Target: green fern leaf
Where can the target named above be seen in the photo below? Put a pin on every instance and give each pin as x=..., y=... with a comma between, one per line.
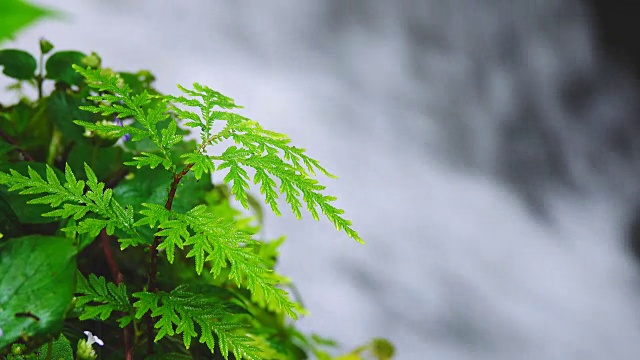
x=113, y=131
x=70, y=200
x=98, y=299
x=269, y=153
x=202, y=164
x=151, y=160
x=169, y=137
x=180, y=310
x=153, y=214
x=173, y=232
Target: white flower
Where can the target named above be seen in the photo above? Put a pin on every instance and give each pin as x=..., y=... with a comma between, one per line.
x=1, y=329
x=91, y=339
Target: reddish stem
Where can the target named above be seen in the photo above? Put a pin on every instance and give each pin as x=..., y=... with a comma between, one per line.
x=108, y=254
x=118, y=278
x=153, y=267
x=13, y=142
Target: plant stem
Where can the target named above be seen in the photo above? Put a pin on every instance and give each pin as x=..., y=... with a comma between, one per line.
x=108, y=254
x=118, y=278
x=39, y=77
x=13, y=142
x=153, y=262
x=56, y=139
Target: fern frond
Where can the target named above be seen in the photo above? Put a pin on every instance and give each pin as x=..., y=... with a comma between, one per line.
x=219, y=243
x=252, y=136
x=184, y=312
x=202, y=164
x=113, y=131
x=294, y=183
x=205, y=99
x=98, y=299
x=71, y=200
x=148, y=110
x=269, y=153
x=151, y=160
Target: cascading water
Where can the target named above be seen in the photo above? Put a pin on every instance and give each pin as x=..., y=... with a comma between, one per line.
x=447, y=121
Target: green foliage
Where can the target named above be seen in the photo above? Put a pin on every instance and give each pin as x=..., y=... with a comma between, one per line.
x=103, y=156
x=267, y=152
x=17, y=14
x=179, y=312
x=379, y=349
x=219, y=242
x=18, y=64
x=58, y=67
x=26, y=212
x=36, y=287
x=103, y=299
x=71, y=200
x=57, y=349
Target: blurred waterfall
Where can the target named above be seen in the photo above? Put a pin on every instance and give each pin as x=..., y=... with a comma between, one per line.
x=448, y=122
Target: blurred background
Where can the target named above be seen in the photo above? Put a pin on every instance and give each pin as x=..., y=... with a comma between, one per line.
x=488, y=151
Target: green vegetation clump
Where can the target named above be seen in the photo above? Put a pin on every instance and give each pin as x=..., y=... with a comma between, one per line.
x=113, y=230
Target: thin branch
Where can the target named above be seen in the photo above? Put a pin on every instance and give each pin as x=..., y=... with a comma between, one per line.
x=108, y=254
x=13, y=142
x=153, y=267
x=40, y=76
x=118, y=278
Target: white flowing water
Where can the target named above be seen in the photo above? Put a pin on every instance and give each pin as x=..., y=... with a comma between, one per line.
x=446, y=120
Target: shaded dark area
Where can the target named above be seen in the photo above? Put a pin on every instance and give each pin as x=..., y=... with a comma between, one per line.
x=617, y=27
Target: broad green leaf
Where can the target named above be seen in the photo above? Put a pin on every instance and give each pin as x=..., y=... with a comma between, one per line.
x=16, y=15
x=104, y=161
x=18, y=64
x=28, y=125
x=59, y=68
x=36, y=287
x=62, y=109
x=27, y=213
x=139, y=81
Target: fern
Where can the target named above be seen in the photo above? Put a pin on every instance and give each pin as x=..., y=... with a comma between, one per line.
x=104, y=298
x=224, y=246
x=147, y=109
x=218, y=242
x=267, y=152
x=73, y=200
x=180, y=310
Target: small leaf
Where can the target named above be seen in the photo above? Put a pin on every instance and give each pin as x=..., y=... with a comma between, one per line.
x=91, y=176
x=202, y=164
x=45, y=46
x=18, y=64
